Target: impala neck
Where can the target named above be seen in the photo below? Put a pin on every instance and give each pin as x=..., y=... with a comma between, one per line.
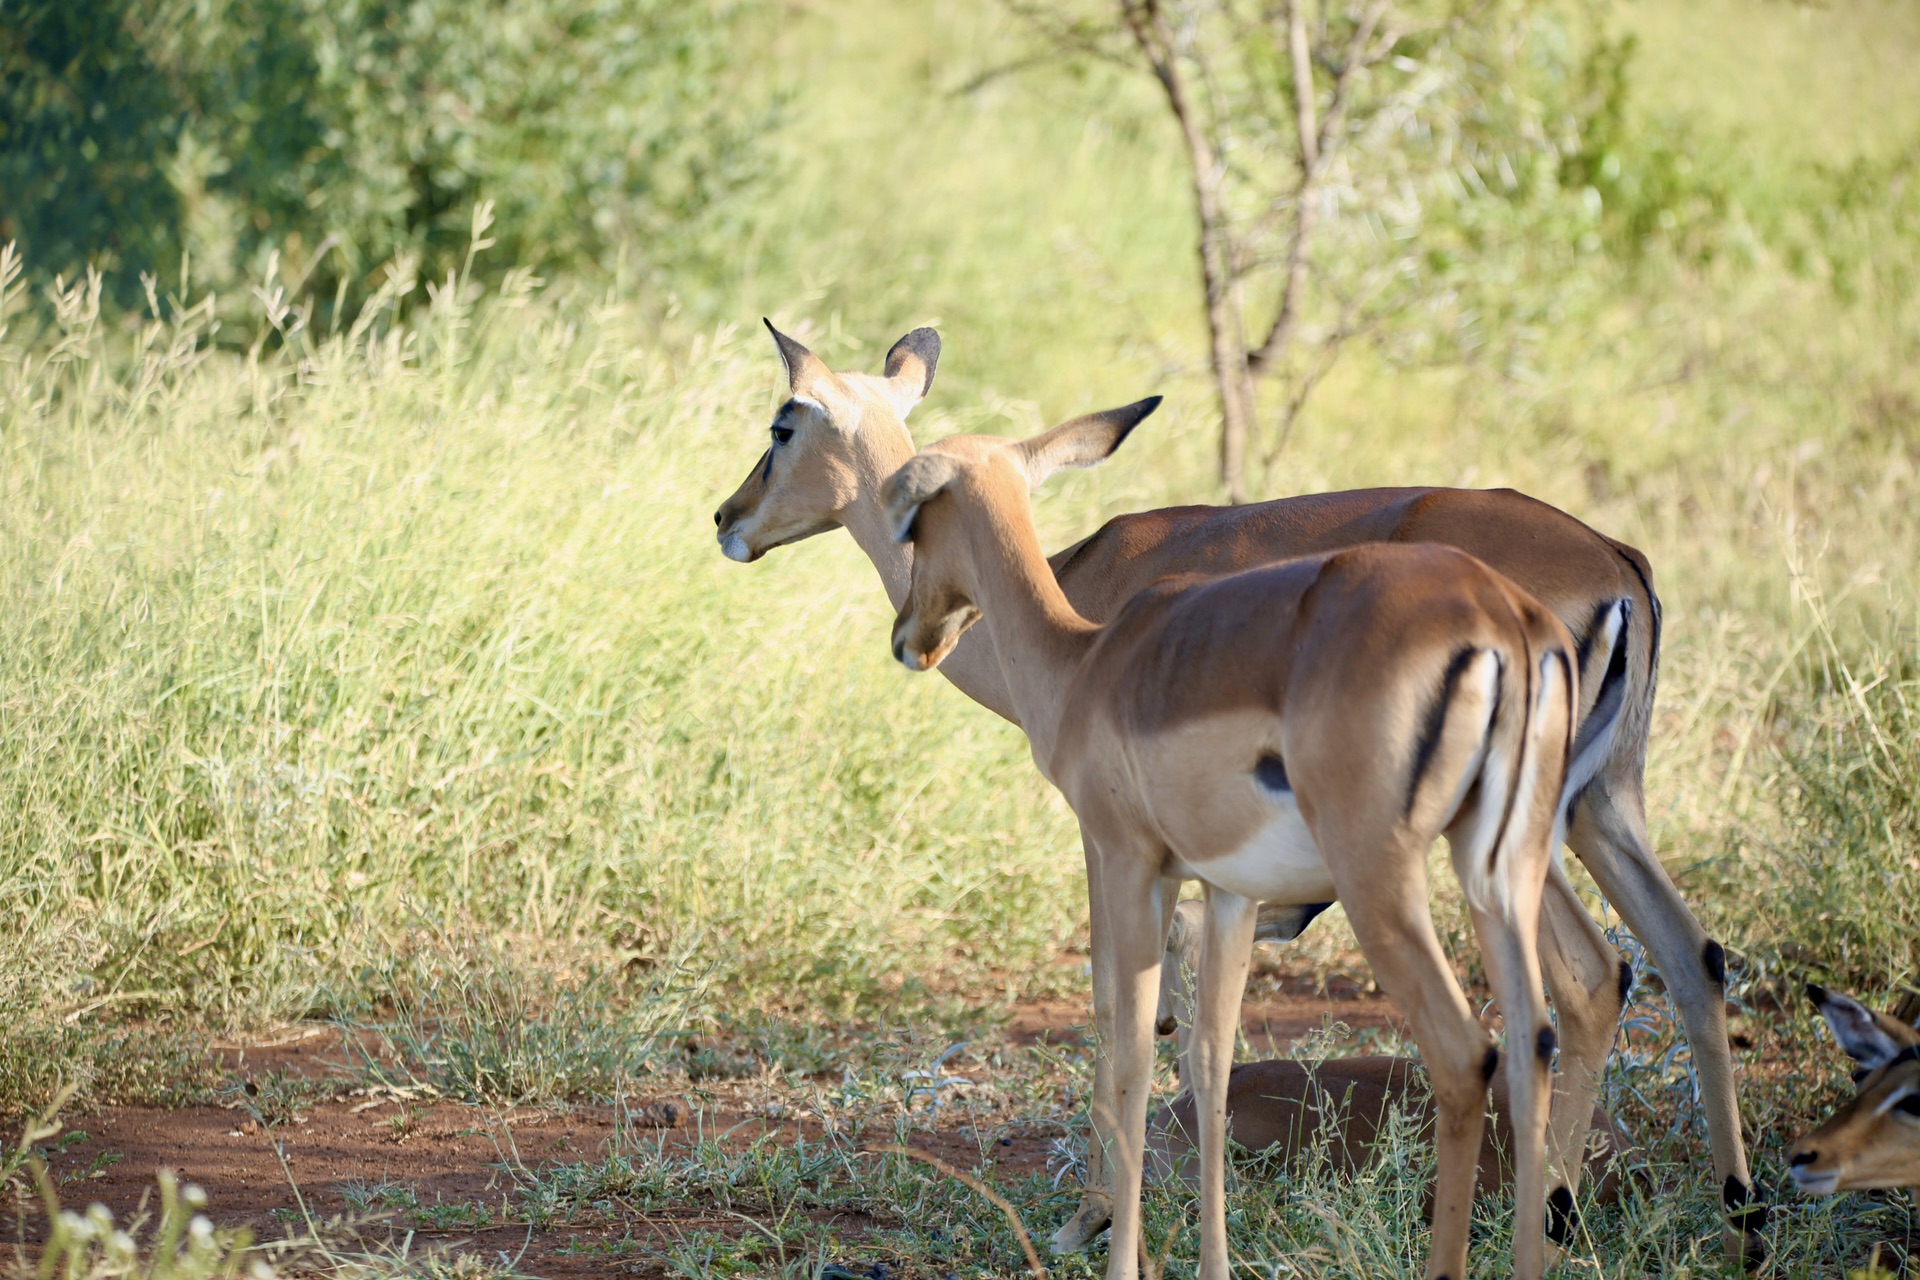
x=1036, y=633
x=972, y=667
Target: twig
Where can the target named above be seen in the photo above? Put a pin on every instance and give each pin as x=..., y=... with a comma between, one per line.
x=994, y=1197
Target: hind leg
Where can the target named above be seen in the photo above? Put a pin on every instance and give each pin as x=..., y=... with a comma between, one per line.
x=1506, y=929
x=1584, y=976
x=1386, y=902
x=1609, y=834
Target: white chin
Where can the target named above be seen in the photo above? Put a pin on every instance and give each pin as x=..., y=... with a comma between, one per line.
x=1817, y=1184
x=734, y=547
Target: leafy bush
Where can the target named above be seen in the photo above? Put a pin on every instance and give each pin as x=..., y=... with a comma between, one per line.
x=133, y=130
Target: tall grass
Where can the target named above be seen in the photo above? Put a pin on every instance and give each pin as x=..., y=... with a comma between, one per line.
x=316, y=646
x=422, y=618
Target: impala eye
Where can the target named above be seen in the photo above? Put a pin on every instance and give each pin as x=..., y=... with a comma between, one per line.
x=782, y=434
x=1909, y=1105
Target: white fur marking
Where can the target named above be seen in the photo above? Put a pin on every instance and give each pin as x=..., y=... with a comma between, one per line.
x=734, y=547
x=1581, y=770
x=1479, y=683
x=1280, y=863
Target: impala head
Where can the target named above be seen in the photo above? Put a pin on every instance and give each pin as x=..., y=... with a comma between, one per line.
x=924, y=505
x=831, y=424
x=1874, y=1140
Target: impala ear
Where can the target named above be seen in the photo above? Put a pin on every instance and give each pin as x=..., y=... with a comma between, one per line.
x=924, y=475
x=1864, y=1036
x=910, y=366
x=803, y=367
x=1083, y=441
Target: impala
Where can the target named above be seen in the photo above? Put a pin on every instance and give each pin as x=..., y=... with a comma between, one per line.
x=1289, y=1109
x=1872, y=1142
x=1290, y=734
x=839, y=435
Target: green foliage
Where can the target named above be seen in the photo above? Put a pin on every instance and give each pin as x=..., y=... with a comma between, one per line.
x=1846, y=875
x=343, y=134
x=478, y=1024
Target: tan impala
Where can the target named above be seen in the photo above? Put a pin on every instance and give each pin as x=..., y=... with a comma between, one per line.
x=1873, y=1142
x=1289, y=734
x=840, y=434
x=1288, y=1109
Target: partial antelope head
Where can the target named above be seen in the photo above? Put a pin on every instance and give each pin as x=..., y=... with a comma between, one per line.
x=1873, y=1141
x=829, y=432
x=999, y=473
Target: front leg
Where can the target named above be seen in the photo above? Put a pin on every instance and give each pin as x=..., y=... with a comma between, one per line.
x=1095, y=1211
x=1125, y=892
x=1226, y=946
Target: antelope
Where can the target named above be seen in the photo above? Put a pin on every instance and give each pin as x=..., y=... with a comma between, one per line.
x=1288, y=1109
x=837, y=436
x=1296, y=733
x=1872, y=1142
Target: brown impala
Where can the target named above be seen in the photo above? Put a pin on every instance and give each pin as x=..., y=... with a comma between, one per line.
x=840, y=435
x=1872, y=1142
x=1292, y=733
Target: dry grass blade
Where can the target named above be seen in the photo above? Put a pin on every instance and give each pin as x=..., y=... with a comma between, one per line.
x=986, y=1192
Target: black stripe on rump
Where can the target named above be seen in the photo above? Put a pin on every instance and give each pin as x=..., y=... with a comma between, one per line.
x=1613, y=685
x=1653, y=602
x=1436, y=721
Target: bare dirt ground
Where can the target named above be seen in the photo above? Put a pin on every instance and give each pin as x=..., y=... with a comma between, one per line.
x=338, y=1157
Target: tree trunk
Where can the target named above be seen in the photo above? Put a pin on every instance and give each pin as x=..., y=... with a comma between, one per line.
x=1219, y=273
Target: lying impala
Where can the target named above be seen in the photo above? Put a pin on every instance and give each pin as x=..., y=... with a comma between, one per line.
x=839, y=435
x=1289, y=734
x=1872, y=1142
x=1289, y=1109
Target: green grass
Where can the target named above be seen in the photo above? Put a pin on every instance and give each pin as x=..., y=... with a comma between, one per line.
x=391, y=675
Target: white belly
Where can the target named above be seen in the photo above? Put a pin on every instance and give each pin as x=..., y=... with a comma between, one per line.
x=1279, y=864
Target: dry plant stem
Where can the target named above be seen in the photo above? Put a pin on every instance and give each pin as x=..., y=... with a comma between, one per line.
x=1226, y=325
x=998, y=1201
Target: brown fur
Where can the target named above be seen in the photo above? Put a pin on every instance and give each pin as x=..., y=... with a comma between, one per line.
x=857, y=438
x=1155, y=728
x=1870, y=1142
x=1287, y=1109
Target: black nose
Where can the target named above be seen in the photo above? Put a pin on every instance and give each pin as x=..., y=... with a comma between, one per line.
x=899, y=650
x=719, y=518
x=1799, y=1158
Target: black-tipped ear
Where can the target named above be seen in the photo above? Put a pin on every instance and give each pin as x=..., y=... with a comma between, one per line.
x=803, y=367
x=1083, y=441
x=910, y=366
x=1863, y=1035
x=923, y=475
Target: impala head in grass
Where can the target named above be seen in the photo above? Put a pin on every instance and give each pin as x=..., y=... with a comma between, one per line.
x=942, y=600
x=834, y=432
x=1872, y=1142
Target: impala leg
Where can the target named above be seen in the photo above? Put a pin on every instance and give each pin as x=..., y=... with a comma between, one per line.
x=1513, y=966
x=1585, y=978
x=1275, y=922
x=1095, y=1210
x=1609, y=833
x=1386, y=904
x=1226, y=947
x=1125, y=894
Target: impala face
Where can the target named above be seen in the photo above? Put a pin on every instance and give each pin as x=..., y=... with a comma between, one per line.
x=836, y=434
x=940, y=601
x=1873, y=1142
